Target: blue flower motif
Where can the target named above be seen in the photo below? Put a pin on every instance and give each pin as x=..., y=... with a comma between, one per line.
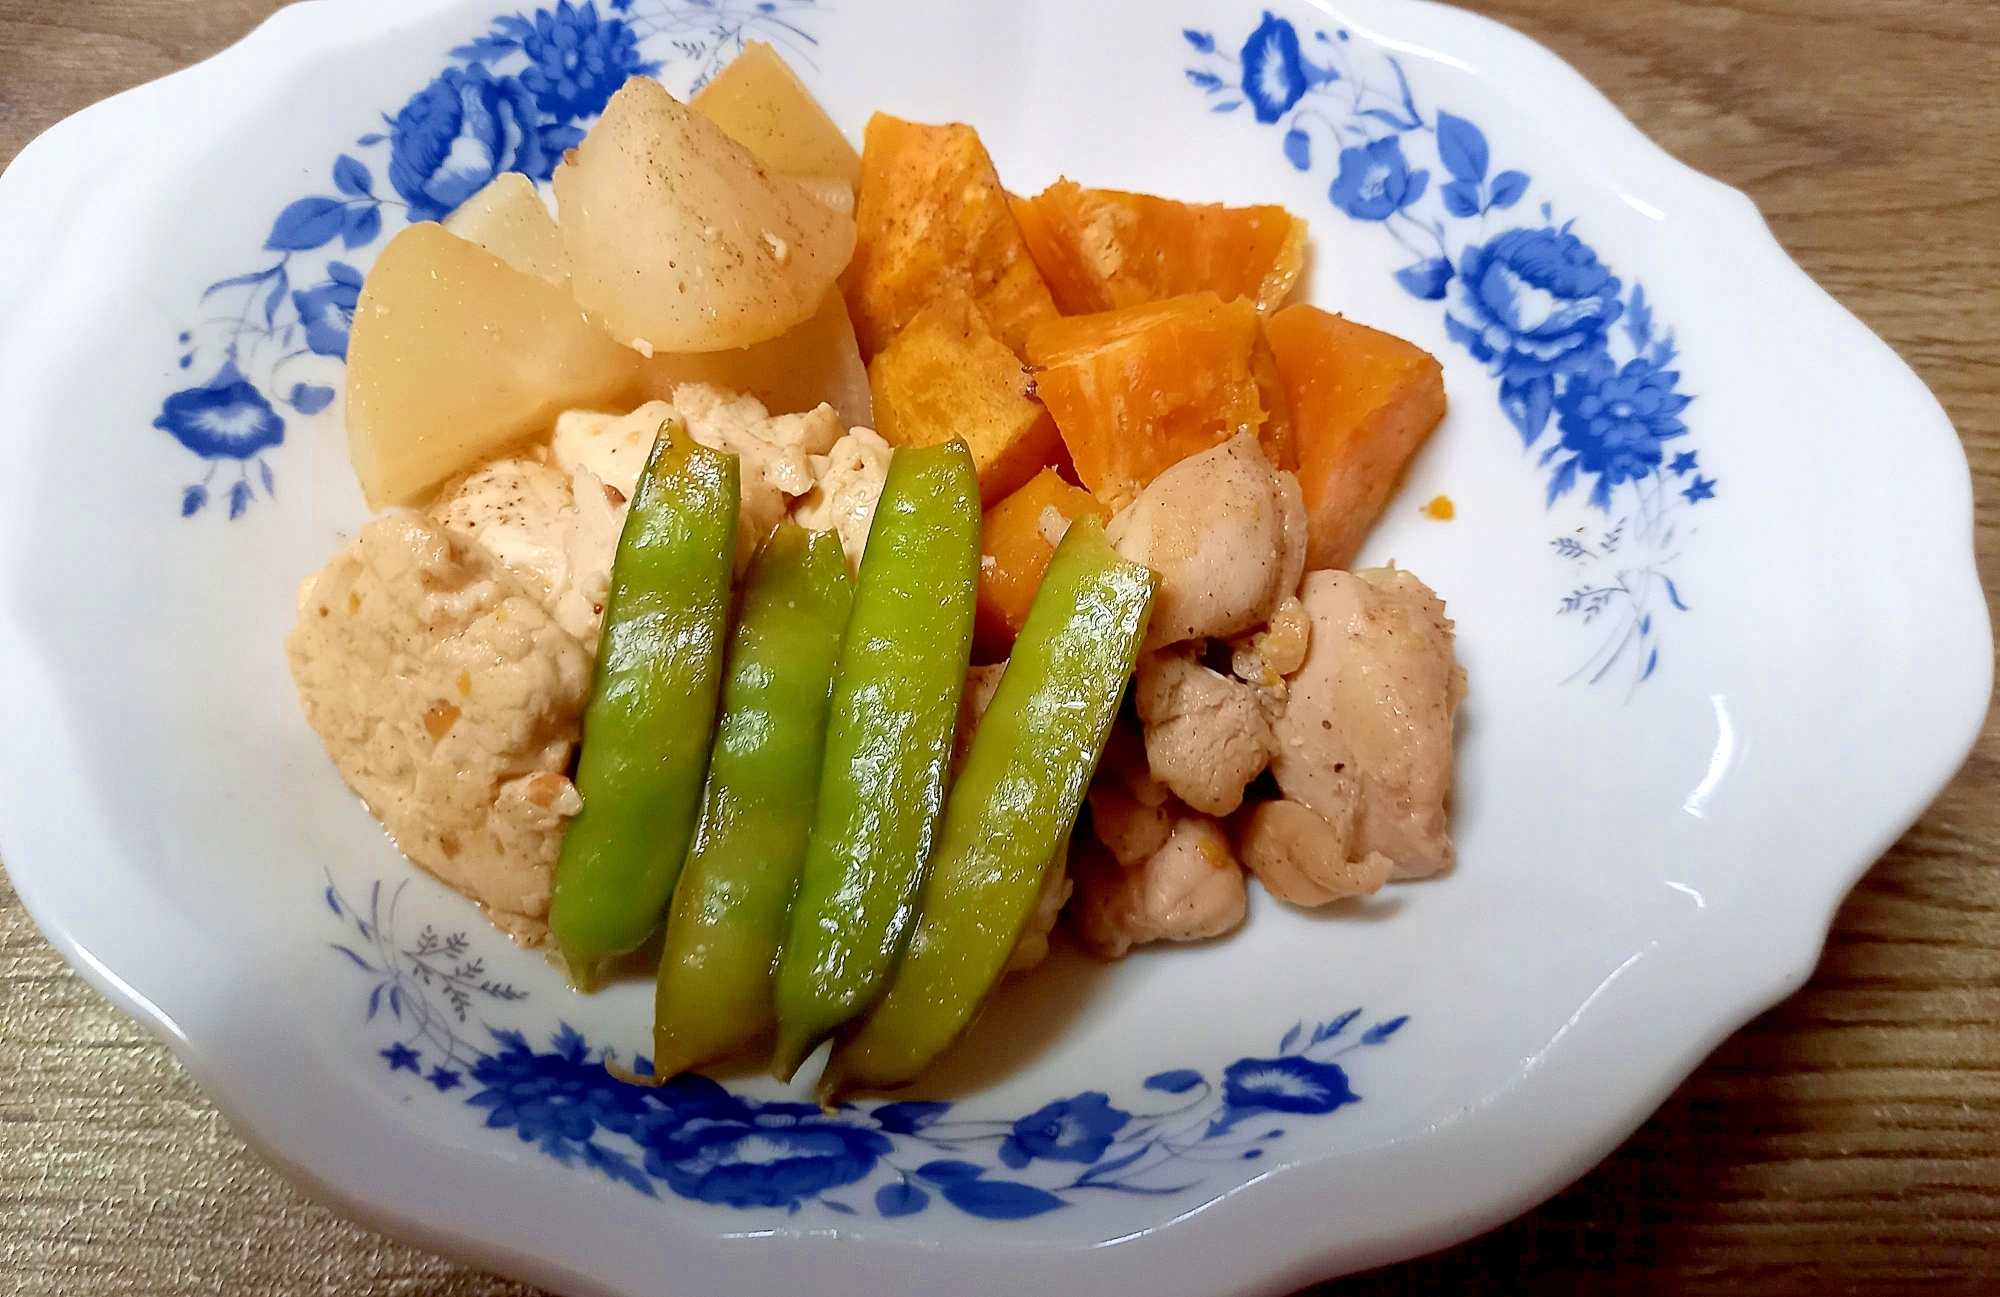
x=444, y=1079
x=557, y=1099
x=578, y=60
x=1274, y=74
x=1683, y=464
x=1375, y=182
x=1291, y=1083
x=1532, y=303
x=713, y=1147
x=1068, y=1130
x=458, y=133
x=327, y=310
x=1702, y=489
x=403, y=1057
x=226, y=418
x=1613, y=421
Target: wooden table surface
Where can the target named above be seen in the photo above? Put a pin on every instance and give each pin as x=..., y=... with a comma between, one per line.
x=1846, y=1141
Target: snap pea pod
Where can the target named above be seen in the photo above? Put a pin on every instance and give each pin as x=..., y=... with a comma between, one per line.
x=888, y=740
x=1015, y=801
x=647, y=728
x=729, y=913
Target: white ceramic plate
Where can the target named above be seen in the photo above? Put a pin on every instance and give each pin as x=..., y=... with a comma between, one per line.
x=1711, y=567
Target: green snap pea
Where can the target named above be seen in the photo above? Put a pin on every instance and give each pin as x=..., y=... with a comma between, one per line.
x=888, y=742
x=1015, y=801
x=651, y=714
x=729, y=913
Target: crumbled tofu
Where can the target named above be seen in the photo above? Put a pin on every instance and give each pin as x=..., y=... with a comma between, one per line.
x=849, y=482
x=451, y=702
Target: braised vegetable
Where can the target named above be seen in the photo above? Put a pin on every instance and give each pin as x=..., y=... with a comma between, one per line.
x=1100, y=249
x=793, y=372
x=760, y=103
x=1017, y=537
x=1012, y=807
x=932, y=216
x=881, y=787
x=1137, y=390
x=1363, y=402
x=730, y=910
x=455, y=355
x=679, y=239
x=946, y=375
x=652, y=706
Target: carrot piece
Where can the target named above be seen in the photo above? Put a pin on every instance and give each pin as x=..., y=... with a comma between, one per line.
x=931, y=215
x=1100, y=249
x=1363, y=402
x=1014, y=552
x=948, y=375
x=1137, y=390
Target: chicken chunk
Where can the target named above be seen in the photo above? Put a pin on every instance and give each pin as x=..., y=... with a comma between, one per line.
x=1226, y=532
x=1302, y=857
x=1206, y=734
x=1189, y=889
x=450, y=702
x=1369, y=715
x=1033, y=947
x=1129, y=829
x=849, y=481
x=1264, y=658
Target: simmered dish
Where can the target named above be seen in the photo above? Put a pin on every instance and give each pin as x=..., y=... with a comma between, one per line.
x=831, y=570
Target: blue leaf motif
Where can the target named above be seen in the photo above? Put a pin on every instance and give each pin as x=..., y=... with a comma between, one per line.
x=1419, y=181
x=270, y=483
x=909, y=1117
x=620, y=1168
x=1202, y=41
x=1178, y=1081
x=1298, y=149
x=1206, y=80
x=1563, y=480
x=1461, y=147
x=1461, y=198
x=900, y=1199
x=371, y=139
x=276, y=297
x=361, y=225
x=1528, y=405
x=307, y=224
x=1291, y=1038
x=374, y=1001
x=239, y=499
x=950, y=1171
x=1329, y=1030
x=1674, y=594
x=1381, y=1031
x=1427, y=280
x=1508, y=187
x=307, y=398
x=1229, y=107
x=351, y=177
x=1000, y=1199
x=1639, y=319
x=840, y=1207
x=193, y=499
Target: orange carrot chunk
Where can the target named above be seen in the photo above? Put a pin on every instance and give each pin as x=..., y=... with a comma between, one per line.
x=1137, y=390
x=931, y=215
x=1362, y=402
x=1101, y=249
x=1017, y=537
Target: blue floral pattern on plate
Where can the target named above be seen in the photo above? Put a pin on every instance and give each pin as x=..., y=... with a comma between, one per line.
x=1566, y=340
x=699, y=1141
x=273, y=339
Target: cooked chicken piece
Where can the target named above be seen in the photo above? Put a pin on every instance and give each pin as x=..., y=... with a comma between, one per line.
x=1128, y=828
x=1264, y=658
x=1302, y=857
x=1033, y=947
x=849, y=481
x=451, y=703
x=590, y=544
x=1124, y=762
x=1206, y=734
x=1225, y=531
x=1189, y=889
x=777, y=448
x=1370, y=714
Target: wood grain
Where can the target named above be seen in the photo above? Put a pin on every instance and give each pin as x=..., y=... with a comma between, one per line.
x=1847, y=1141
